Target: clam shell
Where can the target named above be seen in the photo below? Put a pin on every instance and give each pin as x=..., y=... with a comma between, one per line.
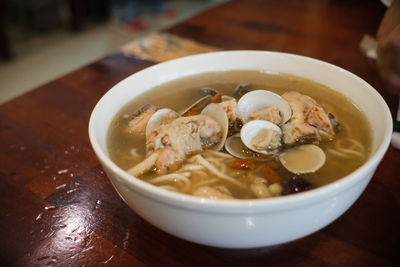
x=235, y=147
x=241, y=90
x=209, y=91
x=199, y=105
x=156, y=119
x=258, y=99
x=303, y=159
x=251, y=129
x=217, y=113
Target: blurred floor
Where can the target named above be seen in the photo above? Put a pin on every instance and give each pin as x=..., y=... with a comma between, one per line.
x=41, y=58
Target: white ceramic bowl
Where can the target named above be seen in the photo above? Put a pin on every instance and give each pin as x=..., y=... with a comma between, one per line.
x=242, y=223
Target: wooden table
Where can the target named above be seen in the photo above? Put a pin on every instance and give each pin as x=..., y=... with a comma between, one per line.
x=57, y=207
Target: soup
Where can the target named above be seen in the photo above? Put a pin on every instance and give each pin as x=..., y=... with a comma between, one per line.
x=322, y=138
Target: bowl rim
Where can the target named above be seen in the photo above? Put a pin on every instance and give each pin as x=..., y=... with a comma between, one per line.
x=243, y=205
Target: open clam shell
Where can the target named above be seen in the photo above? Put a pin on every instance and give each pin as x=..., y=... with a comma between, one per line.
x=161, y=116
x=217, y=113
x=199, y=105
x=258, y=99
x=261, y=136
x=303, y=159
x=235, y=147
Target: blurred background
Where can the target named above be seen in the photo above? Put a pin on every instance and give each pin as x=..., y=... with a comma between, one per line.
x=43, y=39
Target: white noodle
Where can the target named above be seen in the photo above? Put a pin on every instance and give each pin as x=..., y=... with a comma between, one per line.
x=346, y=148
x=144, y=165
x=357, y=145
x=174, y=177
x=217, y=164
x=216, y=172
x=134, y=153
x=187, y=174
x=344, y=152
x=336, y=153
x=206, y=182
x=191, y=167
x=191, y=160
x=351, y=152
x=200, y=175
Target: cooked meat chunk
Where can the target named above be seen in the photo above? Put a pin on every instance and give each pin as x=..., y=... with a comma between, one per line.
x=139, y=119
x=229, y=106
x=309, y=121
x=181, y=137
x=268, y=114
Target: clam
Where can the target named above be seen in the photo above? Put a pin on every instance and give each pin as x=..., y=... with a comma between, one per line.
x=161, y=116
x=235, y=147
x=217, y=113
x=268, y=105
x=303, y=159
x=209, y=91
x=198, y=106
x=241, y=90
x=261, y=136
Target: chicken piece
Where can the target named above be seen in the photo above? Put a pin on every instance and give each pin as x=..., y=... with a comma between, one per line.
x=309, y=121
x=167, y=118
x=140, y=118
x=183, y=136
x=268, y=114
x=229, y=106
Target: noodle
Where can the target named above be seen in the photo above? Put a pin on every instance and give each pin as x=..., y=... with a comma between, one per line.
x=218, y=164
x=216, y=172
x=173, y=176
x=206, y=182
x=199, y=175
x=351, y=152
x=144, y=165
x=344, y=152
x=135, y=153
x=336, y=153
x=191, y=167
x=354, y=148
x=356, y=144
x=212, y=173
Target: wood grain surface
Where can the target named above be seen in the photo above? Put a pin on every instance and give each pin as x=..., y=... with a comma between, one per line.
x=58, y=208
